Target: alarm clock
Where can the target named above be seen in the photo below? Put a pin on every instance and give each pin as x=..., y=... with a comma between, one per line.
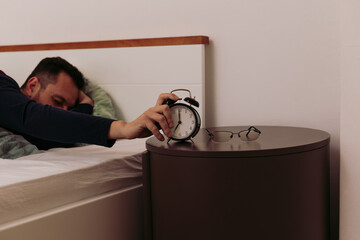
x=186, y=119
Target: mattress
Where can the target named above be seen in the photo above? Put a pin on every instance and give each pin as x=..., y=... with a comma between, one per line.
x=40, y=182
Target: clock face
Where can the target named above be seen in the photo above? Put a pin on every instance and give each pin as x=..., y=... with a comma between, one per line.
x=185, y=121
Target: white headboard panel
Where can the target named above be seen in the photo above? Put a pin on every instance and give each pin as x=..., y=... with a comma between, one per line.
x=134, y=74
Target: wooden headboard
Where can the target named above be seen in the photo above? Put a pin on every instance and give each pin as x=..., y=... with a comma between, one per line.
x=133, y=71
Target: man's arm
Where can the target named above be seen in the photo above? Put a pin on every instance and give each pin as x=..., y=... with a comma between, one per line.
x=85, y=99
x=84, y=104
x=24, y=116
x=144, y=125
x=33, y=120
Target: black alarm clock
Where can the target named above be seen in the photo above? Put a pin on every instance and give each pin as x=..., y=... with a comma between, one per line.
x=186, y=119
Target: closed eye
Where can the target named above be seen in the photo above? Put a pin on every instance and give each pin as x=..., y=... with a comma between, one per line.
x=58, y=102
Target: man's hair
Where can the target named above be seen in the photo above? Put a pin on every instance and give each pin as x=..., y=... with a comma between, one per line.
x=49, y=68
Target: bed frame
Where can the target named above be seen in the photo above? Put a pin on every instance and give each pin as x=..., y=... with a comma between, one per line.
x=133, y=72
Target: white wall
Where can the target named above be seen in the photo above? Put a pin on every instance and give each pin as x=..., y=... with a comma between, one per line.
x=276, y=60
x=269, y=62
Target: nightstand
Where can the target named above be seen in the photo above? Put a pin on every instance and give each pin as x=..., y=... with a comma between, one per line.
x=276, y=187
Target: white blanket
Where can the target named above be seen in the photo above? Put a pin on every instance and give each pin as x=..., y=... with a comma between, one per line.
x=39, y=182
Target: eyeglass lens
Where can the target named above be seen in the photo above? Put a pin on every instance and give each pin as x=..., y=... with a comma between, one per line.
x=249, y=135
x=222, y=136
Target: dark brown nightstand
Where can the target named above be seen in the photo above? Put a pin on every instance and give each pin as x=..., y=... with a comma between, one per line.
x=276, y=187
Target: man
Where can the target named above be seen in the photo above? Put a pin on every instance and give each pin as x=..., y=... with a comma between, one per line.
x=51, y=110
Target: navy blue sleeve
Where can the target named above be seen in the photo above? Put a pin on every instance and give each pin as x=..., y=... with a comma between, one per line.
x=42, y=124
x=83, y=108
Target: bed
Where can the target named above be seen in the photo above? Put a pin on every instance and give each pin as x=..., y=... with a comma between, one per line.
x=93, y=192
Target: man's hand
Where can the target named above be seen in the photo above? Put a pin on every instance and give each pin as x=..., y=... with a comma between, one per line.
x=144, y=125
x=83, y=98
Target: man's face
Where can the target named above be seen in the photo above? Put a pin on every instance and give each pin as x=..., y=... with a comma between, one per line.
x=63, y=94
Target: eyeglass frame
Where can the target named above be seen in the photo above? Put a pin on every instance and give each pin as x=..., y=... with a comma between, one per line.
x=211, y=134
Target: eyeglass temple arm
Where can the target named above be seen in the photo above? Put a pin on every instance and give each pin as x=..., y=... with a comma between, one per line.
x=210, y=133
x=253, y=128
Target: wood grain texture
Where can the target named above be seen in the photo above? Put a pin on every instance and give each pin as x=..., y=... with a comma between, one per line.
x=145, y=42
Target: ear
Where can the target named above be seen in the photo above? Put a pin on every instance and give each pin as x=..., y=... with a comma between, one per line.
x=32, y=87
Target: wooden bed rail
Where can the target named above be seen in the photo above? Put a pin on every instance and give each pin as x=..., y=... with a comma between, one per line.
x=145, y=42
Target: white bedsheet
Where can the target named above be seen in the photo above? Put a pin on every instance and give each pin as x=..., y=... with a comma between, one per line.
x=40, y=182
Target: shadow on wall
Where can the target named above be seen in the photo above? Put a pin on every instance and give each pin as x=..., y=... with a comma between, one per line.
x=210, y=94
x=334, y=192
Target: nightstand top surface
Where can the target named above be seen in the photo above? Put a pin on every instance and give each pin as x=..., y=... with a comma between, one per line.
x=274, y=140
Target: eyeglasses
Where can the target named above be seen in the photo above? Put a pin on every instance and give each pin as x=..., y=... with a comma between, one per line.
x=251, y=134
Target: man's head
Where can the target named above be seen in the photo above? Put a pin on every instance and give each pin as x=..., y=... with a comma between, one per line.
x=55, y=82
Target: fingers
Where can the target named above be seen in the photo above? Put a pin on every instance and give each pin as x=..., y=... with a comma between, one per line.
x=163, y=118
x=154, y=130
x=161, y=115
x=165, y=96
x=146, y=123
x=83, y=98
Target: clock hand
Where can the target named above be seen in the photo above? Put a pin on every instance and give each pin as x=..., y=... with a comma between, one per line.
x=177, y=126
x=179, y=121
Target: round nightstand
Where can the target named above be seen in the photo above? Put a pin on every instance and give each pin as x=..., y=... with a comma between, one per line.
x=276, y=187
